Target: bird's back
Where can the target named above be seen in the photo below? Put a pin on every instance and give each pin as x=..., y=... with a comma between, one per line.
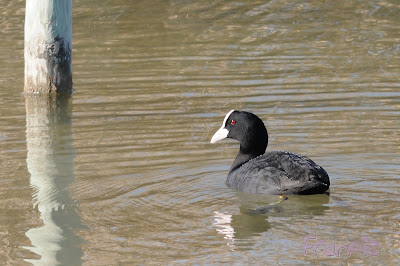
x=279, y=173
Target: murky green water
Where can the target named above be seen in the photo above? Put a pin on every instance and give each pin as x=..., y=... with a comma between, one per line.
x=123, y=173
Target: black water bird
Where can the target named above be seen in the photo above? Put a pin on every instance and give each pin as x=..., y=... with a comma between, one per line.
x=276, y=172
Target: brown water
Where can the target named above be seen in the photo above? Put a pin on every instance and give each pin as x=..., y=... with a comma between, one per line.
x=123, y=172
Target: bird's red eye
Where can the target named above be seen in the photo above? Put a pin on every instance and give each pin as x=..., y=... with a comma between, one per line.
x=233, y=122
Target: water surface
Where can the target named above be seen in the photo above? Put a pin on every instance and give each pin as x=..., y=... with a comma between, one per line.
x=123, y=172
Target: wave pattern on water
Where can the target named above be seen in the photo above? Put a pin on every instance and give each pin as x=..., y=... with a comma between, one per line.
x=154, y=81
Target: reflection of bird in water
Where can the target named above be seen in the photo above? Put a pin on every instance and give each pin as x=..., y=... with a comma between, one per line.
x=255, y=210
x=272, y=207
x=312, y=205
x=238, y=229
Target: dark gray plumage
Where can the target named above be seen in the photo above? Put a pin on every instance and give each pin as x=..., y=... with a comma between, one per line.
x=280, y=173
x=277, y=172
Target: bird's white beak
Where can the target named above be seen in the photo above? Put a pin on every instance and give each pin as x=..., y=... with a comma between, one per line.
x=222, y=133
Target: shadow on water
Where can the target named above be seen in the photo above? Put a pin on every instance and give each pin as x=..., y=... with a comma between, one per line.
x=238, y=229
x=50, y=161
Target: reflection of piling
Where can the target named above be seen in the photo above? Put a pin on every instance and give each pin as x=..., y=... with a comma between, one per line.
x=50, y=161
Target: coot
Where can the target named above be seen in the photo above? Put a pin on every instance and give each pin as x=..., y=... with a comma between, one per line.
x=276, y=172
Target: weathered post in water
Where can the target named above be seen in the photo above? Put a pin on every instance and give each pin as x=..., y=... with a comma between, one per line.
x=48, y=46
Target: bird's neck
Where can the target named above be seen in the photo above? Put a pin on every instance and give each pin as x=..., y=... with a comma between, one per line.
x=246, y=155
x=251, y=146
